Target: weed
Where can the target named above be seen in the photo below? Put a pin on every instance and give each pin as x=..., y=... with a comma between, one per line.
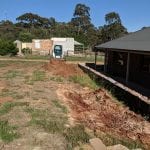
x=7, y=132
x=112, y=140
x=56, y=78
x=84, y=80
x=14, y=94
x=38, y=76
x=12, y=74
x=76, y=135
x=52, y=126
x=58, y=105
x=28, y=80
x=7, y=107
x=53, y=123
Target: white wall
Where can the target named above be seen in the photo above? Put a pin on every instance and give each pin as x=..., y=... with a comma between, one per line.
x=67, y=44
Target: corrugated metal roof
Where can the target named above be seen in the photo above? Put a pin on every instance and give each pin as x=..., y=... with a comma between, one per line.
x=137, y=41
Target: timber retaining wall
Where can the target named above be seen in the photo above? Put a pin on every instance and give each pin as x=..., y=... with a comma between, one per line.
x=132, y=99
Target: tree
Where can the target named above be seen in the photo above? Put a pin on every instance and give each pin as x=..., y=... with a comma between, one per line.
x=81, y=19
x=25, y=37
x=112, y=18
x=31, y=20
x=113, y=28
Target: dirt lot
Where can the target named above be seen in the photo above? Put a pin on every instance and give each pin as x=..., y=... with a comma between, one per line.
x=56, y=106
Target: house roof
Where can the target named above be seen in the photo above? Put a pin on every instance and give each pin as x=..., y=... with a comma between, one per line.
x=137, y=41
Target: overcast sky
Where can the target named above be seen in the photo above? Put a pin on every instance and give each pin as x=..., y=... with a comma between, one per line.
x=134, y=13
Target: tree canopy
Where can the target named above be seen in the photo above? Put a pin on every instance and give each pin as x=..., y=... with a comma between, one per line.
x=113, y=28
x=30, y=25
x=81, y=18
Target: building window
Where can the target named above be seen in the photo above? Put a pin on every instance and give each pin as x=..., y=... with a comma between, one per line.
x=37, y=44
x=145, y=63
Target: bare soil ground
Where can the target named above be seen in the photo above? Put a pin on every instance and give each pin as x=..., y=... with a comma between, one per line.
x=99, y=112
x=42, y=109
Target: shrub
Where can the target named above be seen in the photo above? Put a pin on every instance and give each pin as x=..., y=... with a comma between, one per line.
x=7, y=48
x=26, y=51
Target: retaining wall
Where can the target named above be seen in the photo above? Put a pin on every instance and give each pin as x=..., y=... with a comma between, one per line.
x=136, y=102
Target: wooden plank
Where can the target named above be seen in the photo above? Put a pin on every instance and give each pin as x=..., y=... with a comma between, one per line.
x=128, y=68
x=116, y=83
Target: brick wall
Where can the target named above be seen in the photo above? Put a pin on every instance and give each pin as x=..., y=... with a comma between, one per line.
x=42, y=45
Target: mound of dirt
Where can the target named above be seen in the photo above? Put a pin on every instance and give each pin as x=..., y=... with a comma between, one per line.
x=60, y=67
x=98, y=111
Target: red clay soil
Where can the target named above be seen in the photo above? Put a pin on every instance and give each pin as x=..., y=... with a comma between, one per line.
x=59, y=67
x=5, y=99
x=98, y=111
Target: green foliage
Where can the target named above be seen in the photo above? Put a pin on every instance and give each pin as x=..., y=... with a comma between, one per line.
x=80, y=27
x=81, y=20
x=33, y=20
x=25, y=37
x=7, y=48
x=26, y=51
x=112, y=17
x=113, y=28
x=7, y=132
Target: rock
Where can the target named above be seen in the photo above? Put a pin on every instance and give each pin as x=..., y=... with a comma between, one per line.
x=97, y=144
x=84, y=147
x=117, y=147
x=37, y=148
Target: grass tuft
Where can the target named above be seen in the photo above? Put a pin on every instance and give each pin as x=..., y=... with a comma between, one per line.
x=8, y=106
x=85, y=81
x=12, y=74
x=7, y=132
x=110, y=140
x=76, y=135
x=56, y=78
x=58, y=105
x=53, y=123
x=38, y=76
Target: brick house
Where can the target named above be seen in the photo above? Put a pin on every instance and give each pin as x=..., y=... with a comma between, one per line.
x=42, y=46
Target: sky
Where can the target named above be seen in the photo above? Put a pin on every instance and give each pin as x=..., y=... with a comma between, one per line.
x=134, y=14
